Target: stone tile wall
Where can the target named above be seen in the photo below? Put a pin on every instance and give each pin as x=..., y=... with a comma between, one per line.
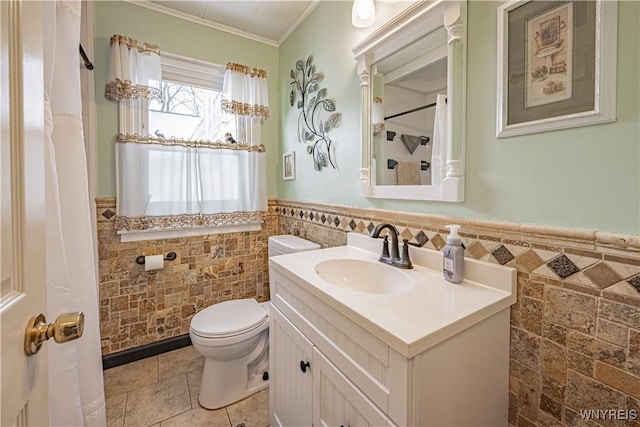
x=575, y=328
x=138, y=307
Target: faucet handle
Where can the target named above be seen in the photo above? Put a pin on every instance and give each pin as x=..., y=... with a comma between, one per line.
x=405, y=262
x=385, y=247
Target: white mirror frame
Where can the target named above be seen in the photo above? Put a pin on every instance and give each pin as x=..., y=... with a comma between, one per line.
x=412, y=24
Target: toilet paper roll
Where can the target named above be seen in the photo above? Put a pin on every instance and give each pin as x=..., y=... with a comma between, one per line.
x=153, y=262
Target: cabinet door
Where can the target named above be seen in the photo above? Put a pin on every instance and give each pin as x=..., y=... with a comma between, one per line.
x=338, y=402
x=291, y=373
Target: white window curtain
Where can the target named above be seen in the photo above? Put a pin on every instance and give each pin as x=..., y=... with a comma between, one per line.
x=133, y=69
x=245, y=91
x=133, y=78
x=164, y=184
x=173, y=183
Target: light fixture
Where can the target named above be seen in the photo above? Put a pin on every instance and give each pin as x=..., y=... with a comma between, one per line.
x=363, y=13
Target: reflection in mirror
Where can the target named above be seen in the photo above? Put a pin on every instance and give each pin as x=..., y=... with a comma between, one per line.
x=409, y=87
x=412, y=73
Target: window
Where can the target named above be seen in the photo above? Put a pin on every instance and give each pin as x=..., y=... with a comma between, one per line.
x=189, y=112
x=185, y=164
x=191, y=103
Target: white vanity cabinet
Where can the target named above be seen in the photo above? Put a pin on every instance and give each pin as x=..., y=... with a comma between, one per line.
x=358, y=374
x=290, y=390
x=338, y=402
x=306, y=388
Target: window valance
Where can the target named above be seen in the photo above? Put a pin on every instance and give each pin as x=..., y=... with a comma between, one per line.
x=245, y=91
x=134, y=70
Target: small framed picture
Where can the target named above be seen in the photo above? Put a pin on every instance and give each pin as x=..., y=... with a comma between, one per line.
x=289, y=165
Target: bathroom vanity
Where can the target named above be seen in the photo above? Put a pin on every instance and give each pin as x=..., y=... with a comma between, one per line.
x=365, y=343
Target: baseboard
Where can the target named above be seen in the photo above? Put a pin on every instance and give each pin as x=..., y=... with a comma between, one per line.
x=132, y=354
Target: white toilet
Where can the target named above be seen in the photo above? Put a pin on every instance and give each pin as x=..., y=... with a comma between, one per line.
x=233, y=336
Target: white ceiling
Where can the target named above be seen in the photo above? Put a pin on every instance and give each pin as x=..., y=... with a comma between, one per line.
x=268, y=21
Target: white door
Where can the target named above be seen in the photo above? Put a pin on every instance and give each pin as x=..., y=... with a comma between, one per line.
x=24, y=389
x=291, y=373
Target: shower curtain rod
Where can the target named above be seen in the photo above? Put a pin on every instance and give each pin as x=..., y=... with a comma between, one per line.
x=86, y=61
x=413, y=110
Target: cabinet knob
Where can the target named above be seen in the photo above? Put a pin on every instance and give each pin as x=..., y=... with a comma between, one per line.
x=304, y=365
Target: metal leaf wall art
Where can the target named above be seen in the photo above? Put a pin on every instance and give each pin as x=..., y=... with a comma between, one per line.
x=317, y=112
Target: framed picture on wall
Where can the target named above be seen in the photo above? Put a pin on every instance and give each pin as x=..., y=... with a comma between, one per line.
x=289, y=165
x=556, y=65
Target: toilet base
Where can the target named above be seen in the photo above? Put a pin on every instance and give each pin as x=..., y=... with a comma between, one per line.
x=238, y=384
x=228, y=381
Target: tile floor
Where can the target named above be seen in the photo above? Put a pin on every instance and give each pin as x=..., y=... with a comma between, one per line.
x=162, y=391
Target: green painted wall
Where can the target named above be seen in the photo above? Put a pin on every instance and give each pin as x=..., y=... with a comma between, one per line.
x=182, y=38
x=588, y=177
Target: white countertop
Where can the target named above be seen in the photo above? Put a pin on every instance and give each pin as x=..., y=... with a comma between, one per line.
x=414, y=321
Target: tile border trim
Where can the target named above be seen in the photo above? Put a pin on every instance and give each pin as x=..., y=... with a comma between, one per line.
x=586, y=261
x=593, y=238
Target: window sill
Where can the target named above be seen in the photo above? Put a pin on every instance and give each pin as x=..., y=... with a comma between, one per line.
x=135, y=236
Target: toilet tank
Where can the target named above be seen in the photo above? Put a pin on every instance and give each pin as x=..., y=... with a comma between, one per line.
x=288, y=244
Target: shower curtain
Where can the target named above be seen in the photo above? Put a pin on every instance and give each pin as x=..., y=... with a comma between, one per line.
x=439, y=150
x=76, y=389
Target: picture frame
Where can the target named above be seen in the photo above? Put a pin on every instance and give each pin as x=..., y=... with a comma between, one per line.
x=289, y=165
x=556, y=65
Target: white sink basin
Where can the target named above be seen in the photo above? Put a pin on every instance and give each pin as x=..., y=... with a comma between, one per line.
x=364, y=276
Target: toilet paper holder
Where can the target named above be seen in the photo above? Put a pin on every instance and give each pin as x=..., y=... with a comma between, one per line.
x=170, y=257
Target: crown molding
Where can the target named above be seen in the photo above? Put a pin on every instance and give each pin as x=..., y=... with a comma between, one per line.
x=201, y=21
x=305, y=13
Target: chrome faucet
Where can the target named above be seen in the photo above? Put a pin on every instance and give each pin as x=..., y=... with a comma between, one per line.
x=394, y=259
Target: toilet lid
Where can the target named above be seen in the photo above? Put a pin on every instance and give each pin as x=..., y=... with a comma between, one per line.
x=228, y=318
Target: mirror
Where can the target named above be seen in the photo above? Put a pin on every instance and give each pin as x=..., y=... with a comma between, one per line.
x=412, y=73
x=405, y=87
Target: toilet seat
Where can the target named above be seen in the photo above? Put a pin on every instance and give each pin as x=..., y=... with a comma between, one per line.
x=228, y=318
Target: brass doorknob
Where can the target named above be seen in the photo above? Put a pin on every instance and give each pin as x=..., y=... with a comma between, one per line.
x=67, y=327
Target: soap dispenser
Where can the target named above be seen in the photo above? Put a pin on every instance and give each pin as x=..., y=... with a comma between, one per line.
x=453, y=256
